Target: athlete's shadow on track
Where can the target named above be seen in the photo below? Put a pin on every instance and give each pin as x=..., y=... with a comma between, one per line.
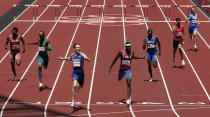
x=16, y=80
x=152, y=81
x=178, y=66
x=45, y=87
x=123, y=101
x=192, y=50
x=79, y=108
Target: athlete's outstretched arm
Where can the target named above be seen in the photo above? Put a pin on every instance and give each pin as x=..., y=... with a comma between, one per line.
x=174, y=30
x=85, y=57
x=114, y=61
x=158, y=42
x=136, y=57
x=23, y=42
x=144, y=44
x=62, y=58
x=7, y=42
x=187, y=19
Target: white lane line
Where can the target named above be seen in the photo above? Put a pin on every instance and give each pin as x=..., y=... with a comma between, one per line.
x=54, y=85
x=2, y=110
x=204, y=89
x=95, y=60
x=29, y=28
x=124, y=35
x=17, y=17
x=198, y=32
x=163, y=78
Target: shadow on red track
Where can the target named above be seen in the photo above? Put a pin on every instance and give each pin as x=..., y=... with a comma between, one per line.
x=152, y=81
x=178, y=66
x=28, y=108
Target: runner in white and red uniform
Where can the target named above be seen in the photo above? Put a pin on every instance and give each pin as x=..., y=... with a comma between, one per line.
x=125, y=67
x=178, y=32
x=14, y=41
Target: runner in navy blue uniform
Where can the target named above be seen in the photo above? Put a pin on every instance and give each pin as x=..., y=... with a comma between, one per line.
x=125, y=67
x=150, y=42
x=77, y=59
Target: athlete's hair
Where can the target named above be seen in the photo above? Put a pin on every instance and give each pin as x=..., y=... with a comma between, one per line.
x=43, y=32
x=178, y=19
x=75, y=44
x=15, y=28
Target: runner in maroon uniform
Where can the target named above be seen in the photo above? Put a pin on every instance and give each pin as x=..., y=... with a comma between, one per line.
x=14, y=41
x=126, y=56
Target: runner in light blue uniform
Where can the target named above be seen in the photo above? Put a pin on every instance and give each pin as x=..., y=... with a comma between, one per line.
x=151, y=42
x=193, y=26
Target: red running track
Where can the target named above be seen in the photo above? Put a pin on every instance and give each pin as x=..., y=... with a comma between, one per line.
x=182, y=84
x=6, y=5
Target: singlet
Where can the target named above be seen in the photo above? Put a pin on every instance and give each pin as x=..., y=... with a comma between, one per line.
x=151, y=44
x=14, y=44
x=178, y=33
x=77, y=61
x=42, y=49
x=125, y=60
x=193, y=20
x=42, y=46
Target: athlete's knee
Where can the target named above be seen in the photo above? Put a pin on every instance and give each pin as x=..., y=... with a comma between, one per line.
x=40, y=65
x=154, y=64
x=179, y=46
x=18, y=62
x=75, y=84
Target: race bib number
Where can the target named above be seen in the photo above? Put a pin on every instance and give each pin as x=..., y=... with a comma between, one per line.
x=41, y=48
x=15, y=47
x=126, y=62
x=194, y=21
x=179, y=34
x=151, y=45
x=76, y=63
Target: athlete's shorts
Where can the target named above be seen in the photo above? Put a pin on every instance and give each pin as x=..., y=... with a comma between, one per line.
x=78, y=75
x=126, y=73
x=192, y=29
x=152, y=56
x=44, y=60
x=177, y=42
x=15, y=56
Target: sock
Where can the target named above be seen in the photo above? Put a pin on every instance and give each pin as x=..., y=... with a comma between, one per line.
x=40, y=76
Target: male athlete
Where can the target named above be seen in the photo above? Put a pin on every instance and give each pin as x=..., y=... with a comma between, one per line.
x=43, y=59
x=126, y=57
x=193, y=26
x=151, y=42
x=14, y=41
x=77, y=59
x=178, y=32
